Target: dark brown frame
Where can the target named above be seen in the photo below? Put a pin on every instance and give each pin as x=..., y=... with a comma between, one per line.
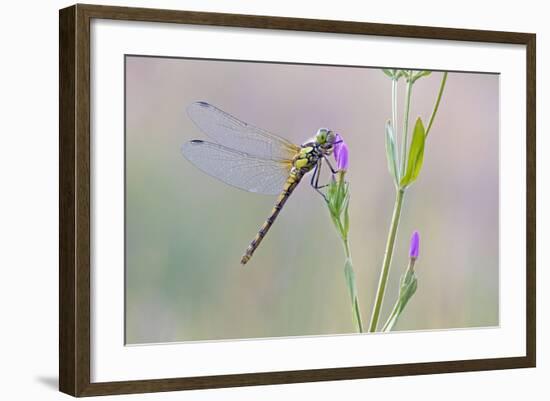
x=74, y=199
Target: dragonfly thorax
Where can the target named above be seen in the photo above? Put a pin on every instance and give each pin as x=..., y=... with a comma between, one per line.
x=311, y=152
x=309, y=156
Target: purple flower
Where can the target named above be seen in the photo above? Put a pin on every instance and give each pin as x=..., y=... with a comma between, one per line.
x=415, y=245
x=341, y=153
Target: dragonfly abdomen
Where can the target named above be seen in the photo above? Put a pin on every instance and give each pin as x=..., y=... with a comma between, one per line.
x=291, y=183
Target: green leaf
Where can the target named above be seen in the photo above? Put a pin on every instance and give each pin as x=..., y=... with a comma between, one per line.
x=341, y=195
x=391, y=153
x=416, y=154
x=346, y=218
x=408, y=285
x=335, y=221
x=331, y=188
x=388, y=72
x=350, y=280
x=331, y=196
x=421, y=74
x=337, y=201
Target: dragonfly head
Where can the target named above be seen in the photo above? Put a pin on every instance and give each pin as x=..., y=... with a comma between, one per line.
x=326, y=139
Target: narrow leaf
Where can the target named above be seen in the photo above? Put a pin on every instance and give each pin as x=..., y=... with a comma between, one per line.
x=391, y=153
x=350, y=280
x=421, y=74
x=407, y=289
x=346, y=218
x=331, y=197
x=391, y=321
x=416, y=154
x=341, y=196
x=388, y=72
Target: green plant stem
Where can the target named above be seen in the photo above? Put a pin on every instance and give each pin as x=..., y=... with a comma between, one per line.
x=406, y=125
x=387, y=260
x=355, y=302
x=394, y=103
x=395, y=311
x=438, y=100
x=358, y=315
x=392, y=316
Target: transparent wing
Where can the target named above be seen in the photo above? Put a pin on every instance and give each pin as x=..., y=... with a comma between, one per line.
x=236, y=168
x=227, y=130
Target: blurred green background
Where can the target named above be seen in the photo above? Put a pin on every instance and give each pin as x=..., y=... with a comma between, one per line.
x=186, y=232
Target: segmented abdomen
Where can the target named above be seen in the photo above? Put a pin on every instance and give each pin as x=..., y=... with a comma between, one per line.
x=291, y=183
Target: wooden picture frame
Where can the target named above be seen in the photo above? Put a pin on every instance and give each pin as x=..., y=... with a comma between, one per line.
x=74, y=199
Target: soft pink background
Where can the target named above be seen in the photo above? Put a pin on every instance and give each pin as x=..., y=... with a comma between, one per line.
x=186, y=231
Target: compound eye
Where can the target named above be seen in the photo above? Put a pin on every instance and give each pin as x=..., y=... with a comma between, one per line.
x=321, y=136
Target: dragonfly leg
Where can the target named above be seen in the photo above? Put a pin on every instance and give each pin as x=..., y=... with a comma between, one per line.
x=332, y=169
x=315, y=180
x=317, y=186
x=318, y=167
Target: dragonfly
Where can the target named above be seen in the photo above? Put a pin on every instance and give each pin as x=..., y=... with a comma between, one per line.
x=255, y=160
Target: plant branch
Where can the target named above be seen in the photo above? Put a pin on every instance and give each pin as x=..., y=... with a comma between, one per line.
x=394, y=103
x=353, y=290
x=392, y=318
x=406, y=125
x=338, y=205
x=407, y=289
x=438, y=100
x=390, y=243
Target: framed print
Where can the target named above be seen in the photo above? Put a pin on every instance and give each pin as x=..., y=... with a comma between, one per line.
x=250, y=200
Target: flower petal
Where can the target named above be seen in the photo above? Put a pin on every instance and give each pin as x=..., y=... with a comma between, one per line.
x=341, y=153
x=415, y=245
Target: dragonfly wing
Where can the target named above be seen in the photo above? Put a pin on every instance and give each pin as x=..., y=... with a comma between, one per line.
x=237, y=168
x=233, y=133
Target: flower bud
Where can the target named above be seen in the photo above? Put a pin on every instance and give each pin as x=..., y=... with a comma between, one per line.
x=341, y=153
x=415, y=245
